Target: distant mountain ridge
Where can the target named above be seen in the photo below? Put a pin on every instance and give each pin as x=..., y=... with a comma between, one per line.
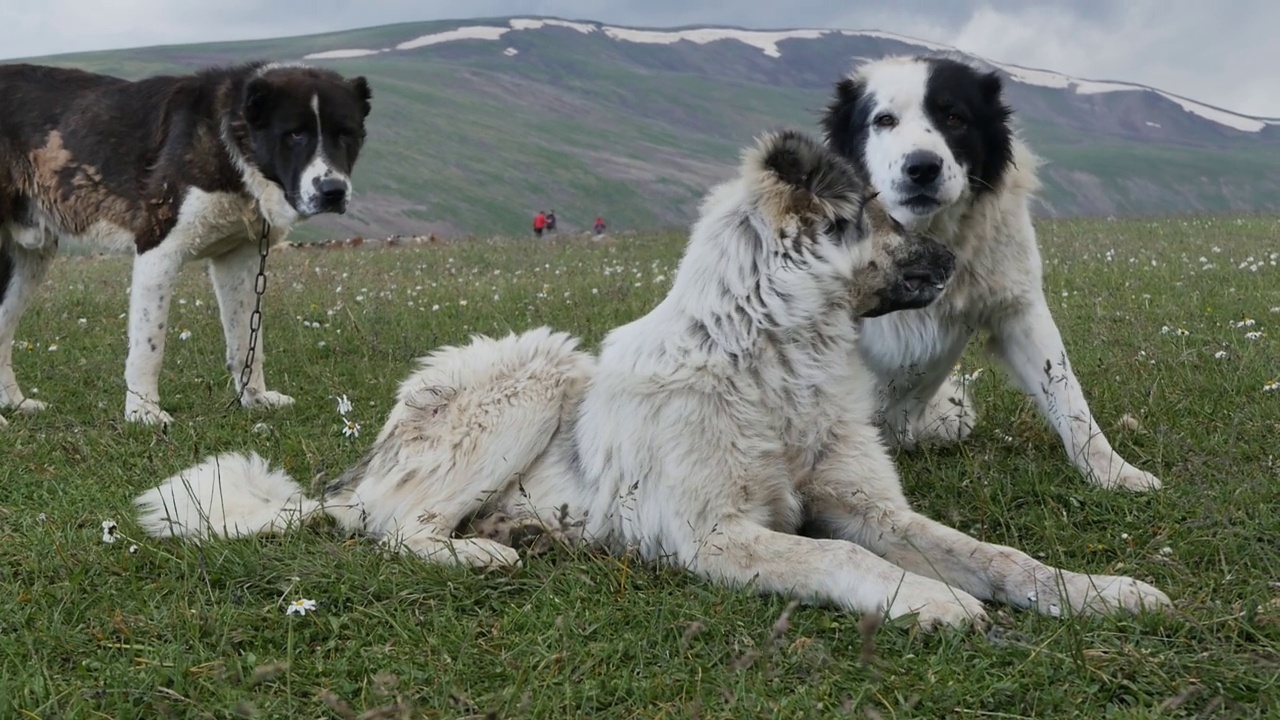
x=768, y=43
x=477, y=124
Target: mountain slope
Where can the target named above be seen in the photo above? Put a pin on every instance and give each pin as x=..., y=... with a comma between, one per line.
x=478, y=124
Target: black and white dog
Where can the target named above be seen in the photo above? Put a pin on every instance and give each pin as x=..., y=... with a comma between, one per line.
x=176, y=168
x=933, y=136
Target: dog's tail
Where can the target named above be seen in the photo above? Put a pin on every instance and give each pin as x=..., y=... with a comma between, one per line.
x=229, y=495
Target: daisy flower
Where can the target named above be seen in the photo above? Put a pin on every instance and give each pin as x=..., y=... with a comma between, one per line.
x=109, y=531
x=1271, y=386
x=344, y=405
x=1255, y=335
x=184, y=335
x=301, y=606
x=351, y=429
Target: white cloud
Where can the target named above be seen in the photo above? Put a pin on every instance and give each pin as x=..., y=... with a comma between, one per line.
x=1219, y=53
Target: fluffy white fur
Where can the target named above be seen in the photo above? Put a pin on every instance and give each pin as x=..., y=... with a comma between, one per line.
x=706, y=434
x=997, y=290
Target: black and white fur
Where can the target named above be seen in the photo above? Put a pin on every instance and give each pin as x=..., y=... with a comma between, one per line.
x=707, y=434
x=174, y=168
x=933, y=136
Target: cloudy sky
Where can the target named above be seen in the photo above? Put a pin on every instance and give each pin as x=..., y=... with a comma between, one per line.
x=1222, y=52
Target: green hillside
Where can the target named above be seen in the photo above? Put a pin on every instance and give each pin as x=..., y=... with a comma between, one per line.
x=465, y=139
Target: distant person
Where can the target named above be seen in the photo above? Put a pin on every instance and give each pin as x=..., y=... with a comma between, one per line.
x=539, y=223
x=551, y=221
x=599, y=225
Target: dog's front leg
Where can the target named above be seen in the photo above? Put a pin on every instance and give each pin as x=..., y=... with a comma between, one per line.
x=154, y=273
x=234, y=275
x=1030, y=347
x=832, y=572
x=856, y=496
x=27, y=268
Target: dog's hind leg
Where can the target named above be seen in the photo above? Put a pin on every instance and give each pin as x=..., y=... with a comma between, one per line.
x=25, y=254
x=832, y=572
x=234, y=275
x=856, y=496
x=154, y=274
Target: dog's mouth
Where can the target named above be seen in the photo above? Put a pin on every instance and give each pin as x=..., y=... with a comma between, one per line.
x=921, y=202
x=920, y=282
x=923, y=283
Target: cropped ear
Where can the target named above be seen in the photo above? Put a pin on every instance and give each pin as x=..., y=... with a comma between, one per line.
x=795, y=177
x=839, y=119
x=254, y=105
x=361, y=87
x=991, y=87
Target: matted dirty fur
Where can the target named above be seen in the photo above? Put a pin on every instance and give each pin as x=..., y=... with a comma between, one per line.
x=707, y=434
x=933, y=136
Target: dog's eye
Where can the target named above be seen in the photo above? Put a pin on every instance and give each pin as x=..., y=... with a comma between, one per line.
x=885, y=120
x=296, y=136
x=954, y=120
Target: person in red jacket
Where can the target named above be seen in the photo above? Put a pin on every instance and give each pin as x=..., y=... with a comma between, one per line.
x=599, y=225
x=539, y=223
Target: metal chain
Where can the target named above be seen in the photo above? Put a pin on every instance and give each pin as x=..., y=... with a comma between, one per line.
x=255, y=319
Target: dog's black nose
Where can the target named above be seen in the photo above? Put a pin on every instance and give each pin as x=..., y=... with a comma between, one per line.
x=333, y=192
x=923, y=167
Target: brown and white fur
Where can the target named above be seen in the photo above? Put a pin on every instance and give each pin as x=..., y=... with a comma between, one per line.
x=174, y=168
x=708, y=433
x=933, y=136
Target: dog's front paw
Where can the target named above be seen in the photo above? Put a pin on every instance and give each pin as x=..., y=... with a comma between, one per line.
x=30, y=407
x=1110, y=471
x=266, y=399
x=1082, y=594
x=937, y=605
x=146, y=412
x=949, y=416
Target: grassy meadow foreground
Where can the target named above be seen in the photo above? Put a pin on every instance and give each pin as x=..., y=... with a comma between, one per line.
x=1175, y=323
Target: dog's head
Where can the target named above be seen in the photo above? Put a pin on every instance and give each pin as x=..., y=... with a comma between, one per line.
x=832, y=227
x=926, y=132
x=303, y=128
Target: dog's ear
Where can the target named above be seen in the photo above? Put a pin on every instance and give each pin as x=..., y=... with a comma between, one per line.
x=361, y=87
x=839, y=122
x=991, y=87
x=254, y=104
x=794, y=176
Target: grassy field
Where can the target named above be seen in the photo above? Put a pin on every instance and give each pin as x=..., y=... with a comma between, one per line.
x=139, y=628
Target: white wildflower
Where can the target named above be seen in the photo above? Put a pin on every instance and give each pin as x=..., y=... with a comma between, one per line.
x=344, y=405
x=350, y=429
x=109, y=531
x=302, y=606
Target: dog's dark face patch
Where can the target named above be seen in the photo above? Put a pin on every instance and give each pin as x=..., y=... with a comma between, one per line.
x=925, y=132
x=967, y=108
x=305, y=129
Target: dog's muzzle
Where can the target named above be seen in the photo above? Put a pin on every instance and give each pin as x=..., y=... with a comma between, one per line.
x=922, y=277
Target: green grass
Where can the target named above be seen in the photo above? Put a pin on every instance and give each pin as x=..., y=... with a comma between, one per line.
x=91, y=630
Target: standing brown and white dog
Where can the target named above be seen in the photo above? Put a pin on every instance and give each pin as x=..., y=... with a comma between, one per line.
x=175, y=169
x=708, y=433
